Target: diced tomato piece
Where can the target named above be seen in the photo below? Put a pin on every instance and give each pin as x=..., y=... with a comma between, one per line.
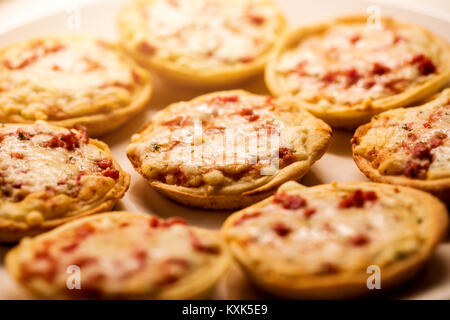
x=23, y=135
x=416, y=168
x=70, y=247
x=84, y=231
x=309, y=212
x=329, y=78
x=360, y=240
x=154, y=222
x=412, y=136
x=71, y=141
x=285, y=154
x=355, y=38
x=352, y=76
x=54, y=142
x=380, y=69
x=369, y=83
x=105, y=163
x=224, y=99
x=17, y=155
x=424, y=64
x=246, y=216
x=246, y=59
x=421, y=151
x=281, y=229
x=357, y=199
x=147, y=48
x=270, y=129
x=256, y=19
x=249, y=114
x=246, y=112
x=111, y=173
x=289, y=201
x=252, y=117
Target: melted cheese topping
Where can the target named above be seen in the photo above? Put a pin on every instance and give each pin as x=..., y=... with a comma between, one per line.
x=321, y=237
x=117, y=255
x=62, y=78
x=395, y=136
x=352, y=64
x=38, y=178
x=220, y=141
x=212, y=33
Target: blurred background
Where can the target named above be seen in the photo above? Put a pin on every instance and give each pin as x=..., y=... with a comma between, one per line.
x=16, y=12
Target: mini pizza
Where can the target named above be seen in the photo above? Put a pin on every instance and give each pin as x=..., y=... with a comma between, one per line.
x=121, y=255
x=227, y=149
x=50, y=175
x=71, y=80
x=201, y=42
x=326, y=241
x=408, y=146
x=347, y=70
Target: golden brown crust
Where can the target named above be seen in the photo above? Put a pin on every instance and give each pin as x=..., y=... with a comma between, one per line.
x=360, y=113
x=343, y=284
x=222, y=76
x=438, y=187
x=13, y=230
x=317, y=141
x=97, y=123
x=196, y=285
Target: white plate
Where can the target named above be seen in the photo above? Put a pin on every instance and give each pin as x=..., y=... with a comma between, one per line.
x=336, y=165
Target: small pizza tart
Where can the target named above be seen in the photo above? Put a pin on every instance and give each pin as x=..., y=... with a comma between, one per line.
x=120, y=255
x=326, y=241
x=201, y=42
x=227, y=149
x=50, y=175
x=408, y=146
x=347, y=70
x=71, y=80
